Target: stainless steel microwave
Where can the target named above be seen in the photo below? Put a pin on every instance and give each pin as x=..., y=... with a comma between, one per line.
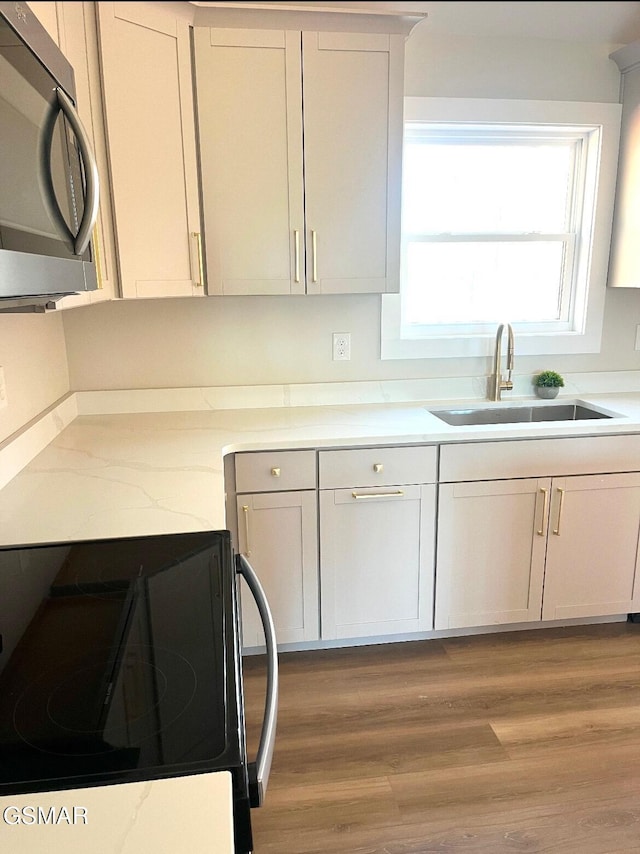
x=48, y=175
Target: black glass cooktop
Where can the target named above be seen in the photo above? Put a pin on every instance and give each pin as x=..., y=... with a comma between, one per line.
x=118, y=662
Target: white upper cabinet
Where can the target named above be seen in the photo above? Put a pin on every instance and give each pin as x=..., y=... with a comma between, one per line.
x=624, y=265
x=300, y=137
x=249, y=94
x=147, y=80
x=352, y=101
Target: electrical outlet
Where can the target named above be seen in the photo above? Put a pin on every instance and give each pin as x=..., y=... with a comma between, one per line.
x=341, y=346
x=3, y=390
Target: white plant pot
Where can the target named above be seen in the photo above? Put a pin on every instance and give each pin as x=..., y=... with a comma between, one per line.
x=547, y=392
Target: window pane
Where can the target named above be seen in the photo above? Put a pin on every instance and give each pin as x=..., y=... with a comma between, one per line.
x=482, y=282
x=483, y=188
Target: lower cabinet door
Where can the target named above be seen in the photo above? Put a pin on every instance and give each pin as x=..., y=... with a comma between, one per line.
x=491, y=552
x=592, y=554
x=278, y=533
x=376, y=557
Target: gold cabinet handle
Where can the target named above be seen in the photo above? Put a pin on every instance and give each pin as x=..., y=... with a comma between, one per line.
x=97, y=257
x=545, y=507
x=296, y=244
x=556, y=530
x=378, y=467
x=397, y=494
x=245, y=510
x=314, y=256
x=198, y=237
x=275, y=471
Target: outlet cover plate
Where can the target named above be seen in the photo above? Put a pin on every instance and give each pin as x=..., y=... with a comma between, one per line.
x=341, y=346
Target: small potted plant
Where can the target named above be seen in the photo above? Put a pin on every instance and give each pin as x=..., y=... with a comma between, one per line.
x=548, y=384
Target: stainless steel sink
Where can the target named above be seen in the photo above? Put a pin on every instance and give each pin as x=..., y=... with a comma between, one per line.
x=519, y=414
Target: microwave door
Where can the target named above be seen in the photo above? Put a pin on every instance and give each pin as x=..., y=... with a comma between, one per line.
x=78, y=239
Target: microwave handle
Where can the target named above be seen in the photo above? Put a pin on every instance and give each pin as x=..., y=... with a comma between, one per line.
x=46, y=179
x=92, y=198
x=259, y=771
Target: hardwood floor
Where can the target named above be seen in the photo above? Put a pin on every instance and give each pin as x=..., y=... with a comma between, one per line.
x=525, y=741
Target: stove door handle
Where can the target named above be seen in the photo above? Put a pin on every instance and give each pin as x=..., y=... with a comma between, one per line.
x=259, y=770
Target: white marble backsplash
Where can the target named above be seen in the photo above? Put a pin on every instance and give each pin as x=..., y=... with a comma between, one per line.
x=18, y=451
x=438, y=389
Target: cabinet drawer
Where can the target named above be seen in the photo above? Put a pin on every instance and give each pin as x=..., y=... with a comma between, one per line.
x=377, y=466
x=275, y=471
x=539, y=457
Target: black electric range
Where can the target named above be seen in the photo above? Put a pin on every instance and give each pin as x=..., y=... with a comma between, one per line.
x=120, y=662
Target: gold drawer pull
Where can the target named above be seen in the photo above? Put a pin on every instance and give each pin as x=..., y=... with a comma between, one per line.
x=556, y=530
x=296, y=239
x=275, y=471
x=245, y=510
x=378, y=467
x=541, y=530
x=198, y=237
x=396, y=494
x=314, y=256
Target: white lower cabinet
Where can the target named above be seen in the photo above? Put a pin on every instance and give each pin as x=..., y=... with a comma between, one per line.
x=278, y=533
x=377, y=541
x=490, y=560
x=376, y=557
x=512, y=551
x=592, y=550
x=344, y=540
x=277, y=525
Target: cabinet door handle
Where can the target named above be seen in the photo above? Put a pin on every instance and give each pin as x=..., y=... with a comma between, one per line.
x=397, y=494
x=314, y=256
x=296, y=244
x=198, y=237
x=545, y=507
x=556, y=530
x=247, y=546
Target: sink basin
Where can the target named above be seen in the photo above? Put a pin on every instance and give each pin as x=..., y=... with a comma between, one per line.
x=518, y=414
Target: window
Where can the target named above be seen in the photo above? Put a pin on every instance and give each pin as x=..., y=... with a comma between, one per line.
x=506, y=217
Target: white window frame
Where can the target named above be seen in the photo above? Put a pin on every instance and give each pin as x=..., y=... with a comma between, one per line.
x=603, y=122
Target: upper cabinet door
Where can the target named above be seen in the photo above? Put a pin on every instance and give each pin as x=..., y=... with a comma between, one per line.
x=249, y=105
x=147, y=80
x=250, y=132
x=300, y=159
x=624, y=264
x=353, y=93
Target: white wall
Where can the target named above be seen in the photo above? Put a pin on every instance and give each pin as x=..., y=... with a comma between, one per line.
x=261, y=340
x=34, y=358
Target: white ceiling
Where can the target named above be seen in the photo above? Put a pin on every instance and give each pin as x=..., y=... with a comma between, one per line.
x=600, y=22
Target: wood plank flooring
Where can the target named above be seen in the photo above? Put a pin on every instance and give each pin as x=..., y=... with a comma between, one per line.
x=510, y=742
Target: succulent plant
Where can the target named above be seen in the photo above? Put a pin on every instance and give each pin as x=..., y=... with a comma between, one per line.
x=548, y=379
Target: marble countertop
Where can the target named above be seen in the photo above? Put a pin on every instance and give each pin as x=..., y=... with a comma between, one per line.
x=128, y=474
x=191, y=813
